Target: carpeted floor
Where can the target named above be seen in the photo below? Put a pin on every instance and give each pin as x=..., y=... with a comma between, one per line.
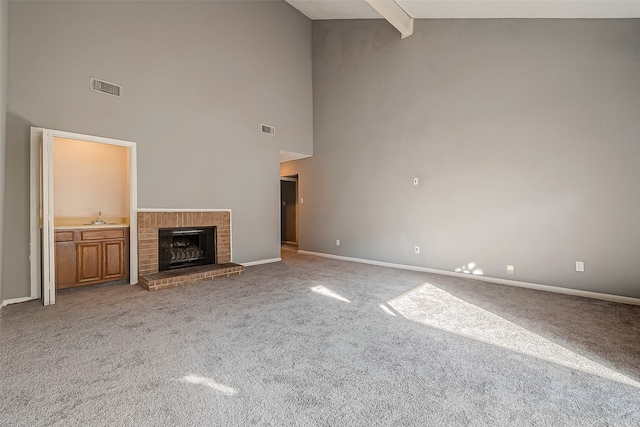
x=319, y=342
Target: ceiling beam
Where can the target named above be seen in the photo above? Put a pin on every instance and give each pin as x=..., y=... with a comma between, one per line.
x=393, y=13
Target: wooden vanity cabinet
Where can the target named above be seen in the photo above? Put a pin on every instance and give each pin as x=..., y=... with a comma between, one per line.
x=89, y=262
x=113, y=256
x=65, y=259
x=91, y=256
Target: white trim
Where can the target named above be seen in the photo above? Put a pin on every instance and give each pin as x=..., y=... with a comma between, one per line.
x=91, y=138
x=133, y=214
x=183, y=210
x=48, y=233
x=395, y=15
x=15, y=301
x=262, y=261
x=34, y=216
x=556, y=289
x=289, y=156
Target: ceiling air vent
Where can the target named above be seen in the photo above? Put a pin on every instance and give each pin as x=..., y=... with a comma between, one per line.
x=269, y=130
x=102, y=86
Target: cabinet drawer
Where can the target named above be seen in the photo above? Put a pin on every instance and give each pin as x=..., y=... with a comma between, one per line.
x=117, y=233
x=64, y=236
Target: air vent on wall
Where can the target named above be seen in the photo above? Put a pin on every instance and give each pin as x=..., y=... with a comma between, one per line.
x=102, y=86
x=269, y=130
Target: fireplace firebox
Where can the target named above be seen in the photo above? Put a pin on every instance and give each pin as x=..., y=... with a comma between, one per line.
x=186, y=247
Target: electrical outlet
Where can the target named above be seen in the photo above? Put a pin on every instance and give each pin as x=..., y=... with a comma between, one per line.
x=417, y=249
x=337, y=242
x=301, y=200
x=509, y=269
x=415, y=181
x=579, y=265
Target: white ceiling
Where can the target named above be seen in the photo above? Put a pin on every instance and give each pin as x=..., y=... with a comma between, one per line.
x=360, y=9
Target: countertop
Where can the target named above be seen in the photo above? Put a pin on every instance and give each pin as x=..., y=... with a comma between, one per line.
x=86, y=226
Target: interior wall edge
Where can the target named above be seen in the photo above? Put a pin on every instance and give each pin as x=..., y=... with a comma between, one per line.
x=4, y=57
x=262, y=261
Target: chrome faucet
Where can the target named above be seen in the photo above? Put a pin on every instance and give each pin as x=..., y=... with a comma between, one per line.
x=99, y=221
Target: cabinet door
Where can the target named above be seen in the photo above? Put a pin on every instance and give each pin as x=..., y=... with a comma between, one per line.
x=89, y=262
x=65, y=264
x=113, y=260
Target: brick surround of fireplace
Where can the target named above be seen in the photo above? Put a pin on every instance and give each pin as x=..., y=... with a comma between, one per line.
x=148, y=224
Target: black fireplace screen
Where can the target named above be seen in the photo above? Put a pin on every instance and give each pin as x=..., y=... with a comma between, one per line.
x=186, y=247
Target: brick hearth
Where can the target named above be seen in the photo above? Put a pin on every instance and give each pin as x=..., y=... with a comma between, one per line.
x=188, y=276
x=148, y=225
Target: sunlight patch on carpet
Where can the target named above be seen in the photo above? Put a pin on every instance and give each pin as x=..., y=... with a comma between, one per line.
x=323, y=290
x=434, y=307
x=208, y=382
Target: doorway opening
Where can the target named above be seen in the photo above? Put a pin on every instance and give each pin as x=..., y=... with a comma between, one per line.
x=93, y=222
x=289, y=210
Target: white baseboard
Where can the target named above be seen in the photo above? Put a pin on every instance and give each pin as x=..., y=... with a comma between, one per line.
x=262, y=261
x=575, y=292
x=15, y=301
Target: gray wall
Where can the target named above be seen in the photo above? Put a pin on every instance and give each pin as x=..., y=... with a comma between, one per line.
x=524, y=135
x=4, y=50
x=198, y=79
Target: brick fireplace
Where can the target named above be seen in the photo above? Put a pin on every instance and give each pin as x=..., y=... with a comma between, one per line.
x=149, y=222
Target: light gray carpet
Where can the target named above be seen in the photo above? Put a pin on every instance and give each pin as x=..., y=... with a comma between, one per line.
x=318, y=342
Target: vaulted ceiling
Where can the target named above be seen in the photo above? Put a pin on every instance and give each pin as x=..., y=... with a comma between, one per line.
x=400, y=13
x=360, y=9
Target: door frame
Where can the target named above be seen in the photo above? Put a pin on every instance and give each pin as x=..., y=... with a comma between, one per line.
x=294, y=179
x=42, y=250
